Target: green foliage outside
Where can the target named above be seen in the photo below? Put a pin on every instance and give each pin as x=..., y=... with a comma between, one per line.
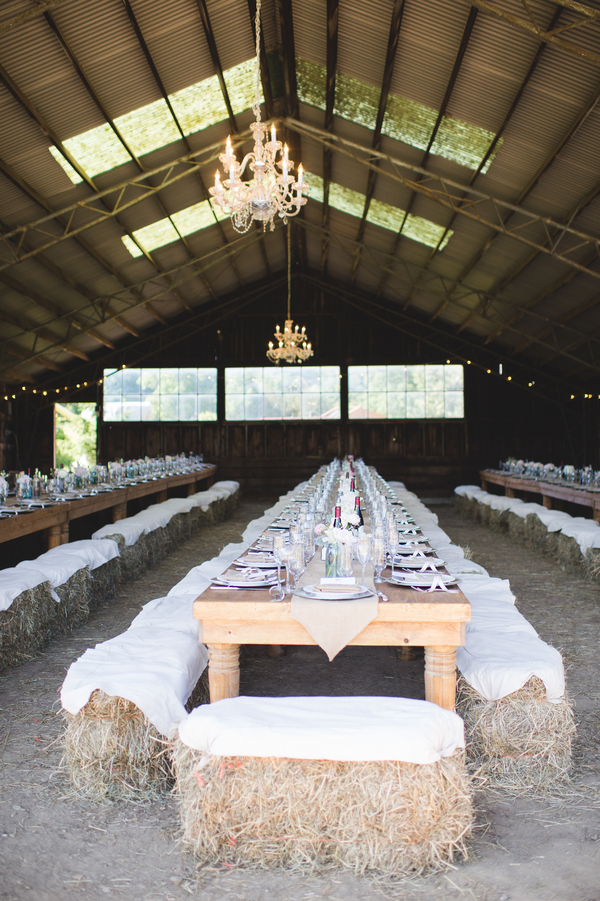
x=75, y=434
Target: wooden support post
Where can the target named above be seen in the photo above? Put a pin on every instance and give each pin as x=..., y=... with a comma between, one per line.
x=120, y=511
x=547, y=501
x=54, y=537
x=223, y=671
x=64, y=533
x=596, y=512
x=191, y=489
x=484, y=485
x=161, y=496
x=509, y=492
x=440, y=676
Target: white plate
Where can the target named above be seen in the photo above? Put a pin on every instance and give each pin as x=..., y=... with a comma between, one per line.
x=255, y=562
x=329, y=593
x=244, y=583
x=407, y=563
x=421, y=580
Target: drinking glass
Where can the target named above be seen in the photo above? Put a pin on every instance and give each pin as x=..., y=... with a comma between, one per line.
x=378, y=558
x=393, y=542
x=363, y=553
x=285, y=553
x=277, y=591
x=345, y=567
x=296, y=562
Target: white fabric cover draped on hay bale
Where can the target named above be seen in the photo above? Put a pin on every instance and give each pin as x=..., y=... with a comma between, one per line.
x=279, y=782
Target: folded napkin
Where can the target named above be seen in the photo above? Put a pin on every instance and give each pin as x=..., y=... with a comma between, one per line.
x=332, y=624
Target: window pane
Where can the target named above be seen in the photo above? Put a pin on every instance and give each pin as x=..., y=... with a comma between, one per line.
x=434, y=378
x=311, y=406
x=131, y=381
x=311, y=380
x=357, y=378
x=377, y=405
x=396, y=378
x=188, y=404
x=113, y=381
x=131, y=408
x=234, y=382
x=169, y=381
x=234, y=406
x=253, y=381
x=454, y=404
x=330, y=379
x=254, y=406
x=396, y=405
x=454, y=378
x=272, y=381
x=415, y=378
x=188, y=381
x=273, y=406
x=358, y=405
x=292, y=406
x=169, y=407
x=415, y=405
x=207, y=407
x=207, y=381
x=377, y=379
x=330, y=405
x=112, y=410
x=150, y=407
x=434, y=404
x=150, y=381
x=291, y=380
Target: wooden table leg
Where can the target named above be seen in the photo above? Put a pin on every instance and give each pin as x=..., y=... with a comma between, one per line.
x=54, y=537
x=440, y=675
x=191, y=489
x=223, y=671
x=547, y=501
x=509, y=492
x=119, y=511
x=161, y=496
x=64, y=533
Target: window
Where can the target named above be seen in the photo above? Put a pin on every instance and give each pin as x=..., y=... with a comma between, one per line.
x=405, y=392
x=175, y=395
x=307, y=392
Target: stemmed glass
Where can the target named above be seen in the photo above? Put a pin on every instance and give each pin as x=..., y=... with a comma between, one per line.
x=296, y=561
x=363, y=553
x=345, y=566
x=278, y=591
x=393, y=543
x=378, y=558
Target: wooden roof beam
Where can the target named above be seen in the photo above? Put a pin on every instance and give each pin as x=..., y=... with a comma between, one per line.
x=332, y=49
x=214, y=55
x=19, y=352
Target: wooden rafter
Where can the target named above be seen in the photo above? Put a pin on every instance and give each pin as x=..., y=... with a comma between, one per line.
x=332, y=50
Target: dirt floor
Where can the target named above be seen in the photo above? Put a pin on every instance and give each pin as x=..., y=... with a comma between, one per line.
x=55, y=845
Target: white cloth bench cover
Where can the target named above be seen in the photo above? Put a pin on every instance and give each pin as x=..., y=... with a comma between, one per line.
x=156, y=669
x=172, y=612
x=14, y=582
x=317, y=728
x=94, y=553
x=131, y=531
x=57, y=569
x=497, y=618
x=497, y=665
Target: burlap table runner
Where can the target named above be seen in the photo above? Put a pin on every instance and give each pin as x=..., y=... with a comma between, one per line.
x=332, y=624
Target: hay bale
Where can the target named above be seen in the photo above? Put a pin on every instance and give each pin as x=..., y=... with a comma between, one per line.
x=112, y=752
x=27, y=625
x=200, y=517
x=592, y=563
x=104, y=580
x=499, y=520
x=387, y=818
x=537, y=533
x=569, y=556
x=521, y=742
x=75, y=597
x=516, y=527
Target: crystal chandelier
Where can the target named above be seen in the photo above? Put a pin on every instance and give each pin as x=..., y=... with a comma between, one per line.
x=268, y=193
x=292, y=346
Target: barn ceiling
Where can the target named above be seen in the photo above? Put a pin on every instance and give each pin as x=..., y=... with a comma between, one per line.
x=451, y=146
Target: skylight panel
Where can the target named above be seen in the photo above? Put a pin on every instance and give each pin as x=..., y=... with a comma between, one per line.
x=152, y=126
x=404, y=120
x=165, y=231
x=97, y=150
x=381, y=214
x=148, y=127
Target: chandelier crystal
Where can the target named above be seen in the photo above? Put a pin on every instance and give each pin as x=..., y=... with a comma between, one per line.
x=292, y=346
x=268, y=193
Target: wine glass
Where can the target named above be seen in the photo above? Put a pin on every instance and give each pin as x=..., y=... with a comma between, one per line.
x=363, y=553
x=296, y=561
x=393, y=543
x=277, y=591
x=378, y=558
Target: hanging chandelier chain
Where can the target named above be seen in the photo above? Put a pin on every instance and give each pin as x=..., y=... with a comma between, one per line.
x=289, y=269
x=256, y=107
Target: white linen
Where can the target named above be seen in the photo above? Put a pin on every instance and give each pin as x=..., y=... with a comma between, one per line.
x=497, y=618
x=318, y=728
x=93, y=552
x=486, y=588
x=130, y=530
x=156, y=669
x=498, y=664
x=172, y=612
x=57, y=569
x=14, y=582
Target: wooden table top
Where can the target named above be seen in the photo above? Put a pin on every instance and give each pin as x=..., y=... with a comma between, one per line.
x=587, y=497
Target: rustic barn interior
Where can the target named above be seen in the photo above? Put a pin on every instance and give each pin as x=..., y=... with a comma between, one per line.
x=453, y=217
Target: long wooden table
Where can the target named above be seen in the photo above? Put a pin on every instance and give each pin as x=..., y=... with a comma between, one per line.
x=550, y=491
x=56, y=519
x=434, y=621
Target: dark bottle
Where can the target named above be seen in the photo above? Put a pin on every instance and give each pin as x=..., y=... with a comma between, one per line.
x=357, y=510
x=352, y=484
x=337, y=518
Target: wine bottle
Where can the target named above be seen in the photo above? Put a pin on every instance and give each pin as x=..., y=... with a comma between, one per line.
x=357, y=509
x=337, y=518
